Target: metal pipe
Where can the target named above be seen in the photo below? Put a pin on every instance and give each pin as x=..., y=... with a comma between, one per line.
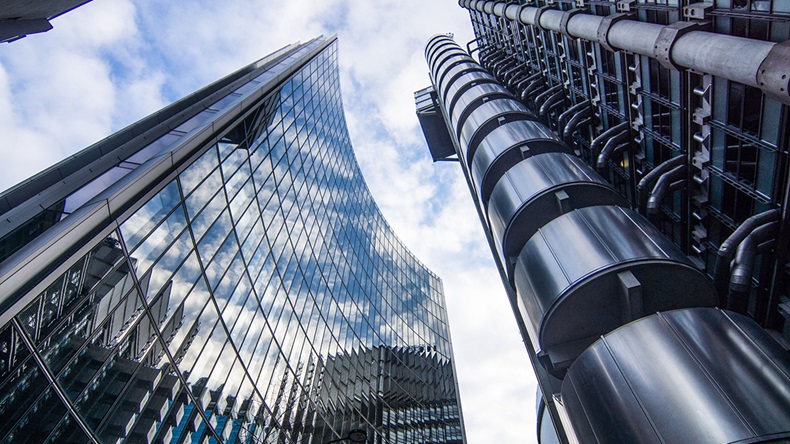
x=575, y=122
x=733, y=58
x=608, y=148
x=513, y=81
x=545, y=95
x=550, y=20
x=749, y=61
x=528, y=80
x=727, y=249
x=585, y=26
x=756, y=242
x=647, y=179
x=561, y=120
x=663, y=184
x=532, y=88
x=511, y=71
x=636, y=37
x=552, y=102
x=598, y=142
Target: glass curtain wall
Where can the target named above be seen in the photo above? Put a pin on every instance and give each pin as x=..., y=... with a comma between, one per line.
x=258, y=296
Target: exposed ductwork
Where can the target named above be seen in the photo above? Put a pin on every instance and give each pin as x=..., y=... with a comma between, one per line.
x=643, y=190
x=681, y=45
x=543, y=206
x=672, y=180
x=727, y=249
x=579, y=264
x=615, y=144
x=597, y=144
x=543, y=97
x=575, y=122
x=551, y=103
x=759, y=241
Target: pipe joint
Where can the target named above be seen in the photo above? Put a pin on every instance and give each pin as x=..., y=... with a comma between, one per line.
x=666, y=40
x=610, y=147
x=542, y=97
x=598, y=142
x=773, y=75
x=538, y=13
x=606, y=26
x=552, y=102
x=568, y=113
x=532, y=89
x=756, y=242
x=575, y=121
x=566, y=17
x=728, y=248
x=670, y=181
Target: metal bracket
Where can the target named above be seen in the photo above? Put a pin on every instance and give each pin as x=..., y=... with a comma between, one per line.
x=773, y=75
x=625, y=5
x=697, y=11
x=538, y=13
x=469, y=49
x=630, y=296
x=563, y=201
x=606, y=25
x=668, y=36
x=566, y=17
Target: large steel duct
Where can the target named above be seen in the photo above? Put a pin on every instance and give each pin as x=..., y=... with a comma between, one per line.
x=565, y=237
x=764, y=65
x=694, y=375
x=581, y=264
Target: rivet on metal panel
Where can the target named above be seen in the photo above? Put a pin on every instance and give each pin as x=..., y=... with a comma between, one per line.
x=668, y=36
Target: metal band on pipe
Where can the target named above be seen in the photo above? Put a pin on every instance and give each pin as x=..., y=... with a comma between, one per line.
x=566, y=17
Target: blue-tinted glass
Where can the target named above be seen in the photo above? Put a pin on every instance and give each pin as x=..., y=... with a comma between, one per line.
x=259, y=297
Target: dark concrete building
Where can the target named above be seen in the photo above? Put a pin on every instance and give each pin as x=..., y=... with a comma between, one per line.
x=630, y=163
x=19, y=18
x=219, y=272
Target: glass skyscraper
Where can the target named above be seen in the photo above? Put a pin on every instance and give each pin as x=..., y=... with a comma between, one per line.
x=219, y=272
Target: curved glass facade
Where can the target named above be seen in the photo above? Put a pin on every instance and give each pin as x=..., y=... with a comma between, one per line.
x=252, y=292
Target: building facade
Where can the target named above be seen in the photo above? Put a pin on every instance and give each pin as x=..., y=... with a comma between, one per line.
x=20, y=18
x=219, y=272
x=628, y=158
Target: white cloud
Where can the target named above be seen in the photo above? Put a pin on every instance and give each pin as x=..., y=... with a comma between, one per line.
x=107, y=64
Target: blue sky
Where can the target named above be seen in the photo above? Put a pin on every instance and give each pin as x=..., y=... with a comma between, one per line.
x=109, y=63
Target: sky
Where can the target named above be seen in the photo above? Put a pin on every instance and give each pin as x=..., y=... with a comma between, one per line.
x=109, y=63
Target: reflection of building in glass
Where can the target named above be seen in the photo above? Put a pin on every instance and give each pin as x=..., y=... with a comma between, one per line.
x=220, y=272
x=408, y=392
x=628, y=158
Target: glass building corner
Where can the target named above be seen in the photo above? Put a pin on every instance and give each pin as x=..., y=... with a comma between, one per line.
x=219, y=272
